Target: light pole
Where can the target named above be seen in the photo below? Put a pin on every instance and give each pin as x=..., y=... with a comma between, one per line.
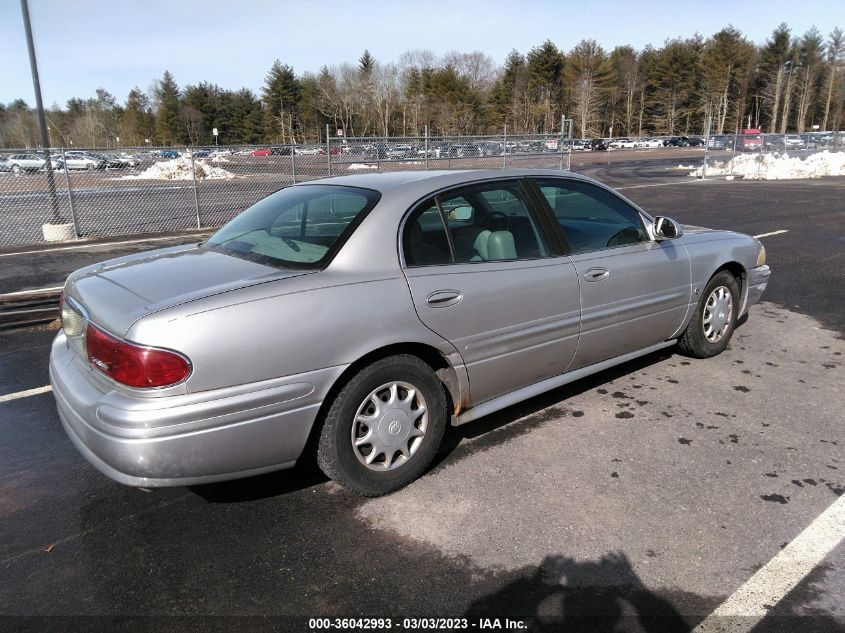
x=42, y=120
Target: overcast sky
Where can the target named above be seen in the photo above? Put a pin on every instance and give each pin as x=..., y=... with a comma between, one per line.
x=117, y=44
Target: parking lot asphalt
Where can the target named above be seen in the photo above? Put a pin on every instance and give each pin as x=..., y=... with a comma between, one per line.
x=643, y=496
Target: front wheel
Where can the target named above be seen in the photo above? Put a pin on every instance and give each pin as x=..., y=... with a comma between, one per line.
x=384, y=427
x=712, y=325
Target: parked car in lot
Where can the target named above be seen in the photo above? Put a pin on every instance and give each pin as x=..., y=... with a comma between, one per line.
x=461, y=293
x=676, y=141
x=649, y=142
x=596, y=144
x=464, y=150
x=78, y=159
x=721, y=142
x=491, y=148
x=18, y=163
x=114, y=161
x=793, y=141
x=623, y=143
x=285, y=150
x=694, y=141
x=774, y=141
x=4, y=164
x=167, y=153
x=261, y=151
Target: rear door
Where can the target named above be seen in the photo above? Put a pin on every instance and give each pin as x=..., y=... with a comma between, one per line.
x=486, y=273
x=635, y=291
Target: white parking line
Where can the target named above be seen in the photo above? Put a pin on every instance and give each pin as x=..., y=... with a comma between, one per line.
x=772, y=233
x=31, y=292
x=96, y=244
x=749, y=604
x=25, y=394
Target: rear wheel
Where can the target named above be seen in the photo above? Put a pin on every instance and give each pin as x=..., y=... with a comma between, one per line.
x=384, y=427
x=712, y=325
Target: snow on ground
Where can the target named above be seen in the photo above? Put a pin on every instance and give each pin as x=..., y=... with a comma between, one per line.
x=180, y=169
x=360, y=166
x=777, y=166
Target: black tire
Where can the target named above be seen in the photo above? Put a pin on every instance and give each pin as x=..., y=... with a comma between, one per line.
x=336, y=456
x=693, y=341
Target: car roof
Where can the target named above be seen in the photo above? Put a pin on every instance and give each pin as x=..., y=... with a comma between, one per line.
x=433, y=180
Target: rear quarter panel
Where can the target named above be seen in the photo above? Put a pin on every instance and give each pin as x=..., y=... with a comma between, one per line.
x=287, y=327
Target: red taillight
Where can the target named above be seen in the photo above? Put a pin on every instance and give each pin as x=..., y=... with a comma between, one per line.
x=133, y=365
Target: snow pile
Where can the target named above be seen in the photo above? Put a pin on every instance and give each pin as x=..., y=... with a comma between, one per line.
x=778, y=166
x=360, y=166
x=180, y=169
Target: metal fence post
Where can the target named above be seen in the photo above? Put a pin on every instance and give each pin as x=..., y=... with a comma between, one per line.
x=706, y=146
x=293, y=163
x=560, y=142
x=70, y=197
x=569, y=154
x=196, y=196
x=426, y=145
x=328, y=149
x=505, y=147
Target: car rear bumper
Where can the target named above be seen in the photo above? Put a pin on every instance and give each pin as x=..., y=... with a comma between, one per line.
x=190, y=438
x=758, y=279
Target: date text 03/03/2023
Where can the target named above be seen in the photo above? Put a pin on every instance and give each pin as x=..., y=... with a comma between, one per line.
x=413, y=624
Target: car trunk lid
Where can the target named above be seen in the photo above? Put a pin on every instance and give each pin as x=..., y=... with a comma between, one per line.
x=118, y=292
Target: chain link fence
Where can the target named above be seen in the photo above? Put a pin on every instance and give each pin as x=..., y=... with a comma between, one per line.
x=142, y=190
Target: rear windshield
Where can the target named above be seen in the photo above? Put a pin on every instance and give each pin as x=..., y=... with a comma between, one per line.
x=299, y=227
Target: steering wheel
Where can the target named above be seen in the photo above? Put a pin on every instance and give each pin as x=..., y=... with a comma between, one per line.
x=494, y=214
x=628, y=235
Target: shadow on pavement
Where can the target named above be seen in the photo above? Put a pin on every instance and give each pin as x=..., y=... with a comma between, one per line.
x=563, y=594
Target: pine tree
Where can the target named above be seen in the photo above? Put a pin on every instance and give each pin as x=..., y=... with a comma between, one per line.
x=835, y=49
x=545, y=69
x=167, y=113
x=282, y=93
x=137, y=122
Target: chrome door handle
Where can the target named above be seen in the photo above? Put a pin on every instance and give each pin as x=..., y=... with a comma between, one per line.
x=443, y=298
x=597, y=274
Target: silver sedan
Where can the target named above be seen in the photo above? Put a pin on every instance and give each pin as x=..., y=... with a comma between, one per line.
x=361, y=315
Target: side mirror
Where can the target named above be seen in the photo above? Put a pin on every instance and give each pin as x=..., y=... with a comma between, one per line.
x=667, y=229
x=461, y=214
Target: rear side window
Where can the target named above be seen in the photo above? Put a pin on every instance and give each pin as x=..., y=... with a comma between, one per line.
x=493, y=223
x=591, y=217
x=425, y=242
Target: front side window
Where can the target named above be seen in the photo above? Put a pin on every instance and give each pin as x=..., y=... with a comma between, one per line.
x=591, y=217
x=299, y=227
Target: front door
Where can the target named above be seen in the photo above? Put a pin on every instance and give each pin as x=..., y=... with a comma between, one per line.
x=635, y=291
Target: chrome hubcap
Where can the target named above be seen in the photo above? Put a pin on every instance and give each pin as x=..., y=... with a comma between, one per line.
x=389, y=426
x=718, y=314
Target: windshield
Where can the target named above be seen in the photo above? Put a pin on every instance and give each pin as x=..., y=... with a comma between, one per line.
x=301, y=227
